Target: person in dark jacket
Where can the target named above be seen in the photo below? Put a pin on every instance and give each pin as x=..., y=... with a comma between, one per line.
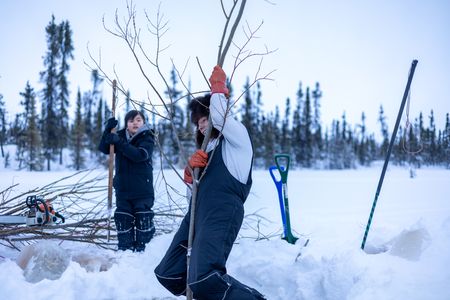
x=222, y=192
x=133, y=180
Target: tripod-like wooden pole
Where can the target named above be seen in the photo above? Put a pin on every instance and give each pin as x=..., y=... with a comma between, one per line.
x=195, y=183
x=111, y=160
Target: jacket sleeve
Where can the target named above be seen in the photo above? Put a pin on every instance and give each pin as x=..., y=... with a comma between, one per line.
x=140, y=152
x=237, y=150
x=103, y=146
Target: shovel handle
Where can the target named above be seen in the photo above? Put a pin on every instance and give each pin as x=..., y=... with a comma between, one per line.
x=282, y=161
x=271, y=170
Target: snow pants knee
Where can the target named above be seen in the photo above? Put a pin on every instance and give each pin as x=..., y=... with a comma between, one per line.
x=134, y=223
x=213, y=241
x=145, y=229
x=171, y=271
x=125, y=230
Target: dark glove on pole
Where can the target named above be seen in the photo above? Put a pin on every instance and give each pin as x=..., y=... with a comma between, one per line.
x=112, y=138
x=111, y=123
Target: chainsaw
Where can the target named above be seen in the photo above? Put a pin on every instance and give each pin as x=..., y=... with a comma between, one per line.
x=40, y=212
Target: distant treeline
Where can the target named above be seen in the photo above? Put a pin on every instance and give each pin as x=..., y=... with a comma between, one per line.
x=42, y=136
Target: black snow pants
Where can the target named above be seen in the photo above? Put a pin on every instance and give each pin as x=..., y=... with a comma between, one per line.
x=134, y=223
x=219, y=216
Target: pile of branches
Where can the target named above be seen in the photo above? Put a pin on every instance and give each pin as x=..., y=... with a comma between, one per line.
x=81, y=198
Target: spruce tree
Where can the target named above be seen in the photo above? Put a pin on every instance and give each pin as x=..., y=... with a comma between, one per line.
x=2, y=125
x=186, y=131
x=298, y=142
x=317, y=142
x=176, y=119
x=247, y=109
x=285, y=129
x=336, y=147
x=14, y=129
x=98, y=130
x=346, y=145
x=257, y=116
x=276, y=130
x=410, y=143
x=372, y=147
x=446, y=141
x=307, y=136
x=326, y=149
x=439, y=153
x=398, y=155
x=417, y=137
x=172, y=91
x=66, y=53
x=431, y=136
x=175, y=136
x=384, y=133
x=18, y=131
x=49, y=128
x=87, y=117
x=31, y=153
x=34, y=140
x=363, y=145
x=268, y=126
x=90, y=101
x=420, y=129
x=78, y=138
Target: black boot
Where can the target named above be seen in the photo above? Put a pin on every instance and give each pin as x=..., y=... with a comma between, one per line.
x=125, y=230
x=145, y=229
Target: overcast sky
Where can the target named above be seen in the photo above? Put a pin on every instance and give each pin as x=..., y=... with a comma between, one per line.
x=359, y=51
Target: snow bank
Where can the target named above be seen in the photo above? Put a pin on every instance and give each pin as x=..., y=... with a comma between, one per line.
x=409, y=238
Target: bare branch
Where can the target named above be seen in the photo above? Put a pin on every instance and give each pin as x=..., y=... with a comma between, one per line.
x=222, y=54
x=81, y=197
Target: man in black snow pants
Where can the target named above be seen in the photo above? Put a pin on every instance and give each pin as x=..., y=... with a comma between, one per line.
x=133, y=180
x=220, y=204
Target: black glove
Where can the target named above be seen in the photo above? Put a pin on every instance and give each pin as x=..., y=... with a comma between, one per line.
x=110, y=124
x=112, y=138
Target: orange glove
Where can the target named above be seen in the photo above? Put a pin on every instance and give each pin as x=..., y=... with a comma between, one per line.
x=187, y=176
x=199, y=159
x=217, y=81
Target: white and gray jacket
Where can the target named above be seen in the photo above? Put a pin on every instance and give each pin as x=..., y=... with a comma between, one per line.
x=237, y=150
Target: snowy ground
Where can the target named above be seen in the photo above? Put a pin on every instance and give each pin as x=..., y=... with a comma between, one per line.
x=411, y=224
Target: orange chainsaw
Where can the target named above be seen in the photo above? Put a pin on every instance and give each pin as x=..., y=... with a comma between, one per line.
x=40, y=212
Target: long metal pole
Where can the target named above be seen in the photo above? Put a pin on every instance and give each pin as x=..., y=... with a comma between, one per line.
x=388, y=154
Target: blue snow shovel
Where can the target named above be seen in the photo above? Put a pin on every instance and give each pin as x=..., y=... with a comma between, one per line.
x=279, y=187
x=282, y=162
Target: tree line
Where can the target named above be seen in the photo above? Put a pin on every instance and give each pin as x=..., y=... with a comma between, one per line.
x=299, y=132
x=41, y=137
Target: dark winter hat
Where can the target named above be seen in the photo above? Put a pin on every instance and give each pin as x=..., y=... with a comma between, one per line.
x=199, y=107
x=132, y=114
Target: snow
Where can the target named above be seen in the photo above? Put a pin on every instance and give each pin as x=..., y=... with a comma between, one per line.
x=409, y=243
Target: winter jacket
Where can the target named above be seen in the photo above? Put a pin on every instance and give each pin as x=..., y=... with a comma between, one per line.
x=133, y=164
x=237, y=150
